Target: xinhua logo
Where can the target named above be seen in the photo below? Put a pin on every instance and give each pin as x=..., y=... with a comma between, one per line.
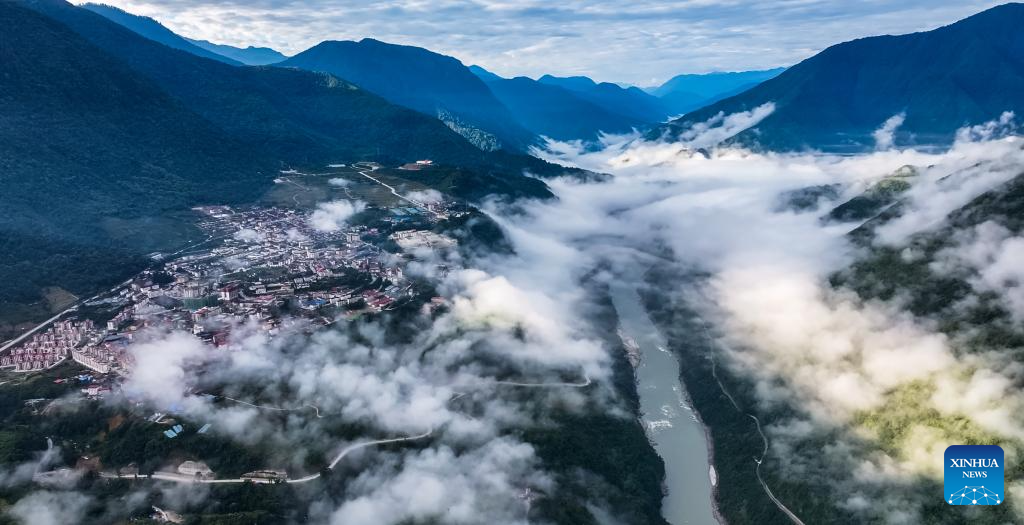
x=974, y=475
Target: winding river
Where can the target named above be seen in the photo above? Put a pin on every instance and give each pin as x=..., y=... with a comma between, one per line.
x=671, y=424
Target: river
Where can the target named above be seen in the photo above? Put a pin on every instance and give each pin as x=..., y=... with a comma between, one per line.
x=671, y=424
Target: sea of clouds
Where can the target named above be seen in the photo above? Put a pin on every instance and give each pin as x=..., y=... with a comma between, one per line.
x=823, y=352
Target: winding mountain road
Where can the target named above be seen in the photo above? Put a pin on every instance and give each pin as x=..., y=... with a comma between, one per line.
x=182, y=478
x=764, y=453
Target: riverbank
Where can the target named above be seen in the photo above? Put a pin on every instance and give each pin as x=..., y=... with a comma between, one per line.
x=732, y=436
x=681, y=442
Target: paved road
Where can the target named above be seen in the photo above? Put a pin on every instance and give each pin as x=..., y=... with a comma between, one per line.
x=277, y=409
x=764, y=453
x=181, y=478
x=366, y=173
x=54, y=319
x=75, y=306
x=585, y=383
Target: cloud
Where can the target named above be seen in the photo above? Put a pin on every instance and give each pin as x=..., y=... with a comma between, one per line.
x=829, y=369
x=294, y=235
x=721, y=126
x=425, y=196
x=22, y=473
x=332, y=216
x=991, y=256
x=884, y=136
x=249, y=235
x=998, y=128
x=50, y=508
x=971, y=169
x=644, y=42
x=441, y=484
x=159, y=372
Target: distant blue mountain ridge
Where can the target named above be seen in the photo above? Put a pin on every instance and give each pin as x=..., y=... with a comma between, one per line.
x=491, y=111
x=966, y=73
x=155, y=31
x=250, y=56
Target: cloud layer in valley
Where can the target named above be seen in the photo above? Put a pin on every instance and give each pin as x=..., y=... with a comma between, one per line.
x=838, y=360
x=834, y=361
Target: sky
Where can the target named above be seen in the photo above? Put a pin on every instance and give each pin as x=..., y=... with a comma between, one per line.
x=641, y=42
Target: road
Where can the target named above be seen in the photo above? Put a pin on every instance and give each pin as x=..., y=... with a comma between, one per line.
x=764, y=453
x=75, y=306
x=585, y=383
x=366, y=173
x=181, y=478
x=54, y=319
x=277, y=409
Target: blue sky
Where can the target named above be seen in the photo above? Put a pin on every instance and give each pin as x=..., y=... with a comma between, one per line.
x=643, y=42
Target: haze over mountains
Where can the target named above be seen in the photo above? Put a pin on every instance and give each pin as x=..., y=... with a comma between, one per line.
x=508, y=113
x=155, y=31
x=116, y=132
x=223, y=129
x=684, y=93
x=425, y=81
x=972, y=70
x=250, y=56
x=477, y=317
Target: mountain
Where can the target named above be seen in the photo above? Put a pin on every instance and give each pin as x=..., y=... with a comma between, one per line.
x=153, y=30
x=552, y=111
x=298, y=117
x=428, y=82
x=483, y=74
x=684, y=93
x=250, y=56
x=88, y=145
x=631, y=102
x=576, y=83
x=965, y=73
x=108, y=138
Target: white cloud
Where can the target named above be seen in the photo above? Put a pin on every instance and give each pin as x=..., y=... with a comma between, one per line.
x=721, y=126
x=992, y=256
x=441, y=484
x=425, y=196
x=642, y=42
x=332, y=216
x=884, y=136
x=160, y=371
x=824, y=353
x=249, y=235
x=50, y=508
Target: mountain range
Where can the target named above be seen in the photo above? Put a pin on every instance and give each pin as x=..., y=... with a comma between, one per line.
x=428, y=82
x=250, y=56
x=119, y=134
x=972, y=70
x=153, y=30
x=556, y=112
x=500, y=112
x=121, y=123
x=684, y=93
x=631, y=102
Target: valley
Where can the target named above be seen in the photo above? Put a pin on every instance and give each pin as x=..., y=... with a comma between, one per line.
x=461, y=264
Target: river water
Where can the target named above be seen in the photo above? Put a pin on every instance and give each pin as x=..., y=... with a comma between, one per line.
x=670, y=422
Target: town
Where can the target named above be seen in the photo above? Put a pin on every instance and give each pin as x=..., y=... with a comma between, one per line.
x=266, y=265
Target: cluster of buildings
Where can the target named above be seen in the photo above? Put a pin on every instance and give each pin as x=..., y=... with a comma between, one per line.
x=269, y=265
x=412, y=239
x=46, y=349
